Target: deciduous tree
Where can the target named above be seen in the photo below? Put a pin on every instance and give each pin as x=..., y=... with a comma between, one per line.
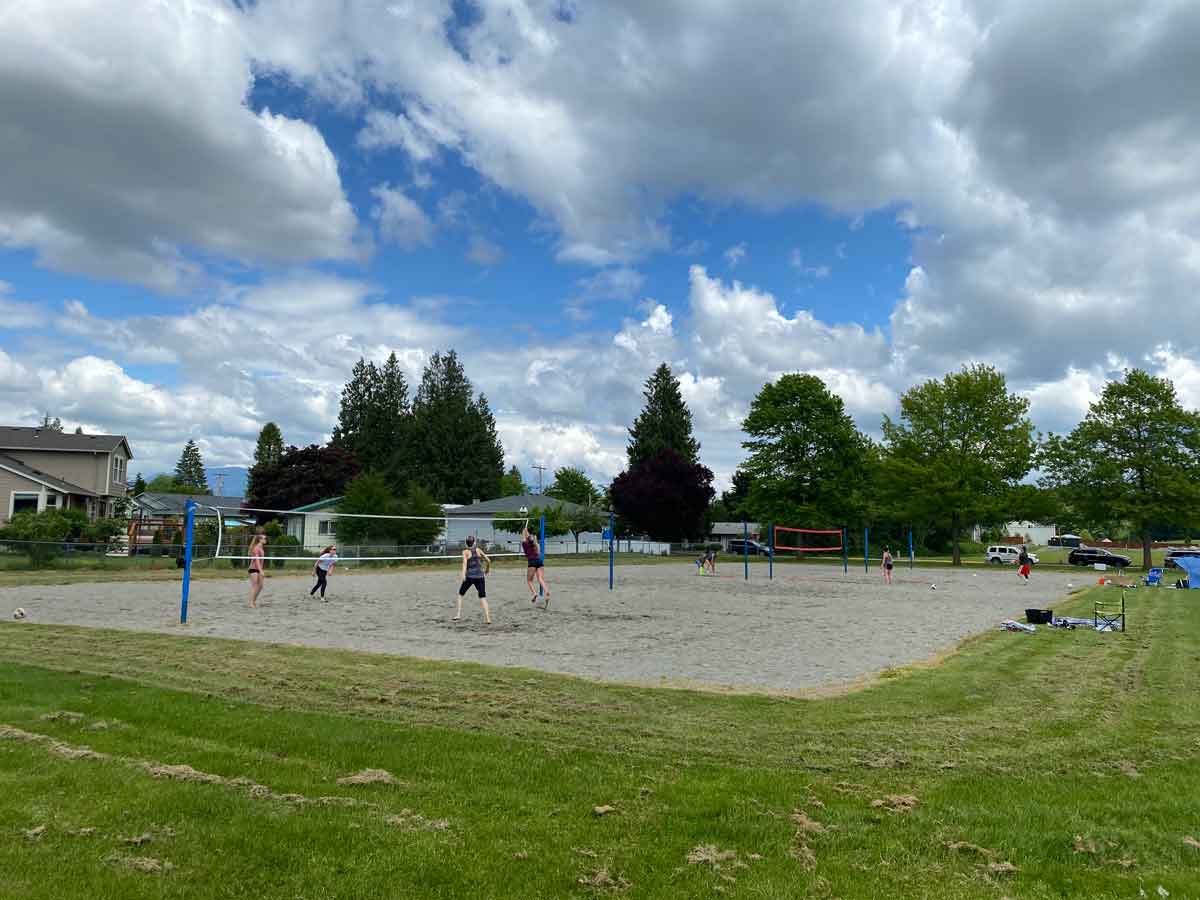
x=302, y=476
x=1135, y=458
x=573, y=485
x=666, y=497
x=512, y=484
x=960, y=448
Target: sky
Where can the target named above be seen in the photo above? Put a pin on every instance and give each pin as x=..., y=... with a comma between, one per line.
x=210, y=210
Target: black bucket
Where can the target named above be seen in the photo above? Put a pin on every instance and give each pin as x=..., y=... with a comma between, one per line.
x=1039, y=616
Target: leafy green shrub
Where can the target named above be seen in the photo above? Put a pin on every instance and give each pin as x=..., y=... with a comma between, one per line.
x=41, y=535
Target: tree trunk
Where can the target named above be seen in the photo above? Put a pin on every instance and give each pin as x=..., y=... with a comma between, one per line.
x=1146, y=563
x=954, y=531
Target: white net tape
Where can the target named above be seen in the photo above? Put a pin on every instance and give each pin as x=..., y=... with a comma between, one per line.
x=492, y=534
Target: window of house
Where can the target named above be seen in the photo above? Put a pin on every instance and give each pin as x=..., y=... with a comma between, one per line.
x=22, y=501
x=52, y=501
x=326, y=527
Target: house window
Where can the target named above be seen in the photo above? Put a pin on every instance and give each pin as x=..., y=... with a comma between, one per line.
x=52, y=501
x=326, y=527
x=22, y=501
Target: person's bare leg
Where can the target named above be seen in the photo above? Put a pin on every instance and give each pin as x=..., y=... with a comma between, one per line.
x=541, y=577
x=458, y=614
x=487, y=613
x=529, y=573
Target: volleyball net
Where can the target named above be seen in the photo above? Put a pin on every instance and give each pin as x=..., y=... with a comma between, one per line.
x=807, y=540
x=302, y=535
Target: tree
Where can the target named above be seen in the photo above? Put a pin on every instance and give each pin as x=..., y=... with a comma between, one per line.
x=189, y=471
x=557, y=523
x=572, y=485
x=139, y=485
x=665, y=497
x=49, y=424
x=453, y=451
x=41, y=534
x=808, y=464
x=166, y=484
x=374, y=413
x=665, y=422
x=79, y=429
x=584, y=518
x=1135, y=458
x=512, y=484
x=267, y=452
x=960, y=448
x=303, y=476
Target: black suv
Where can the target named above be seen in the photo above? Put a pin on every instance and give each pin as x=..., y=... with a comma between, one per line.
x=1086, y=556
x=741, y=547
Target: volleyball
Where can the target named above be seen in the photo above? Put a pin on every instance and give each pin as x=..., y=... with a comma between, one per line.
x=19, y=613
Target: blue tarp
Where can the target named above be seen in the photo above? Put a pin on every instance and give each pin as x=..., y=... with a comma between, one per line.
x=1191, y=565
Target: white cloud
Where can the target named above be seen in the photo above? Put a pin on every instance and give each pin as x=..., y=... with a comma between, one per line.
x=735, y=255
x=796, y=259
x=16, y=315
x=401, y=221
x=483, y=252
x=130, y=149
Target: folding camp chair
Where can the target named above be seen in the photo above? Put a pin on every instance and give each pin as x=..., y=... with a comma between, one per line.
x=1109, y=614
x=1153, y=577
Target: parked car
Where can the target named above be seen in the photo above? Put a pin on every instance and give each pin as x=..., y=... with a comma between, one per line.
x=1006, y=553
x=1087, y=556
x=1064, y=540
x=742, y=547
x=1175, y=552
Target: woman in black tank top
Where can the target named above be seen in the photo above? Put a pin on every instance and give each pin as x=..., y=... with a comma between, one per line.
x=475, y=564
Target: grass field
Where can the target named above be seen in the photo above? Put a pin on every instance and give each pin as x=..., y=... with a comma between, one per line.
x=1057, y=764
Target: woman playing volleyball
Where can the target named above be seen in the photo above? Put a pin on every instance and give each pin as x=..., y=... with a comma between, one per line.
x=536, y=566
x=258, y=549
x=887, y=565
x=474, y=561
x=323, y=566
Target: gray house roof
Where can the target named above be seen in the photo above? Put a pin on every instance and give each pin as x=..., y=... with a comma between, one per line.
x=157, y=504
x=732, y=529
x=13, y=437
x=508, y=505
x=15, y=465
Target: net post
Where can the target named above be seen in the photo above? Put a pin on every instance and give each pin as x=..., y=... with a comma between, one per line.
x=771, y=552
x=910, y=549
x=845, y=553
x=612, y=537
x=542, y=544
x=867, y=549
x=189, y=521
x=746, y=547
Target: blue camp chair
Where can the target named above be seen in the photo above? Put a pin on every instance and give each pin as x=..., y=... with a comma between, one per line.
x=1153, y=577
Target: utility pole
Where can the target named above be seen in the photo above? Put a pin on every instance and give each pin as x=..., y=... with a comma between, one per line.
x=220, y=491
x=540, y=470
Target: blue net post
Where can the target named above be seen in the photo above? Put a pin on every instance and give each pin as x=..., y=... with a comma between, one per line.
x=867, y=549
x=189, y=521
x=845, y=554
x=746, y=548
x=910, y=549
x=771, y=552
x=612, y=538
x=542, y=544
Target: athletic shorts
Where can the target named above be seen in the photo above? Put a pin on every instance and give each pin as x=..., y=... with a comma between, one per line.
x=1024, y=570
x=888, y=566
x=254, y=571
x=536, y=563
x=476, y=583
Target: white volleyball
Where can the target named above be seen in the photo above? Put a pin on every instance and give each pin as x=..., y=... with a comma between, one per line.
x=19, y=613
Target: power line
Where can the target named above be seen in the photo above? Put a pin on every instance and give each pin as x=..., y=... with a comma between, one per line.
x=540, y=470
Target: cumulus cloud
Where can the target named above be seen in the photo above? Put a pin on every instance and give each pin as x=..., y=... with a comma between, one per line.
x=401, y=220
x=128, y=150
x=16, y=315
x=735, y=254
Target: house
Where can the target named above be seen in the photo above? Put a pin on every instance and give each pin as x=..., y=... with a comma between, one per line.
x=166, y=513
x=42, y=469
x=477, y=518
x=313, y=524
x=724, y=532
x=1032, y=532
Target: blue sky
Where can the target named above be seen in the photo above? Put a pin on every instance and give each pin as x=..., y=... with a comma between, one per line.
x=205, y=221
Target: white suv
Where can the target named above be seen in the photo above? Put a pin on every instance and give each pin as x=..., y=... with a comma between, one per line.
x=1006, y=553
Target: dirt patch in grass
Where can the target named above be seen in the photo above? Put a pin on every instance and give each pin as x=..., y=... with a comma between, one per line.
x=897, y=803
x=602, y=881
x=603, y=810
x=146, y=864
x=967, y=847
x=62, y=715
x=411, y=821
x=804, y=824
x=34, y=835
x=709, y=855
x=369, y=776
x=1189, y=841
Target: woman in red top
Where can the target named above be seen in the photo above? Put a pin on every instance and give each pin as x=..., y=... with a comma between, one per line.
x=536, y=566
x=258, y=550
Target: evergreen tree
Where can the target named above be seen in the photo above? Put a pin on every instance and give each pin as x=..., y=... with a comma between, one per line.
x=512, y=484
x=665, y=422
x=189, y=471
x=374, y=413
x=267, y=452
x=139, y=485
x=452, y=449
x=49, y=424
x=79, y=429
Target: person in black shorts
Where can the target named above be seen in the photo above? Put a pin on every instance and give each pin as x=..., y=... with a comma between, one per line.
x=535, y=566
x=887, y=566
x=475, y=564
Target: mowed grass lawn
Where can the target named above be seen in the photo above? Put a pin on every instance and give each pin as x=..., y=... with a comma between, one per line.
x=1047, y=765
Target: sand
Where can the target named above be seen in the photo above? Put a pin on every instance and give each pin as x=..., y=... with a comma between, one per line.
x=812, y=627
